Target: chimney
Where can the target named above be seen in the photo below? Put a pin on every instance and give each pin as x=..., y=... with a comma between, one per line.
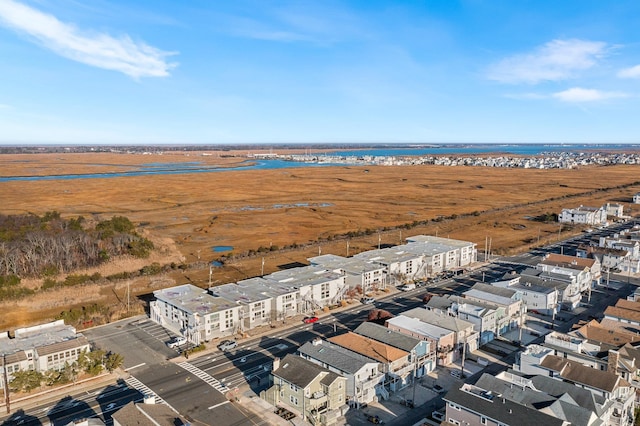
x=276, y=364
x=317, y=341
x=612, y=361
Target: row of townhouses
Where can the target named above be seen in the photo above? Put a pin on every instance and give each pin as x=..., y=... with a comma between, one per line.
x=40, y=348
x=584, y=215
x=618, y=253
x=589, y=376
x=201, y=315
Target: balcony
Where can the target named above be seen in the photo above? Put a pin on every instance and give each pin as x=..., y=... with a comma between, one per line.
x=318, y=399
x=371, y=381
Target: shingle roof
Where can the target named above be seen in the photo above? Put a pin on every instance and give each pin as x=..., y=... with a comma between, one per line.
x=440, y=319
x=623, y=313
x=501, y=409
x=385, y=335
x=628, y=304
x=299, y=371
x=578, y=373
x=369, y=347
x=134, y=414
x=598, y=332
x=336, y=356
x=571, y=262
x=498, y=291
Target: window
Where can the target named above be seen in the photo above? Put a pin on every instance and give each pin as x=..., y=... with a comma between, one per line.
x=293, y=387
x=228, y=319
x=483, y=420
x=324, y=291
x=293, y=400
x=455, y=422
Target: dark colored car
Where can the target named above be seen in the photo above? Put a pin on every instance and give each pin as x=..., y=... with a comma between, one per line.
x=310, y=320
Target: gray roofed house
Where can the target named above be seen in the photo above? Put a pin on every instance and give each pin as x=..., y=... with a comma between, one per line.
x=362, y=374
x=390, y=337
x=550, y=396
x=469, y=404
x=135, y=414
x=307, y=389
x=501, y=292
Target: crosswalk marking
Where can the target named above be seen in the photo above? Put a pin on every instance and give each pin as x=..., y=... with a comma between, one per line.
x=145, y=390
x=204, y=377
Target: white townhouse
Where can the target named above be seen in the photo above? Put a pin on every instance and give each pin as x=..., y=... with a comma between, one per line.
x=538, y=294
x=586, y=270
x=318, y=287
x=359, y=272
x=365, y=378
x=442, y=341
x=455, y=254
x=400, y=265
x=422, y=257
x=569, y=294
x=583, y=215
x=510, y=300
x=40, y=348
x=614, y=209
x=195, y=314
x=484, y=315
x=284, y=303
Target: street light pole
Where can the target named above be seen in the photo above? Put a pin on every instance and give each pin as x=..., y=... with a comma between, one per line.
x=6, y=383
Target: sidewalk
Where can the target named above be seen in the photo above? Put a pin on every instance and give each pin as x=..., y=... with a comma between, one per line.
x=53, y=396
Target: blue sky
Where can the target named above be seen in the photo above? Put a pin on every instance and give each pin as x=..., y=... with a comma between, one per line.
x=221, y=72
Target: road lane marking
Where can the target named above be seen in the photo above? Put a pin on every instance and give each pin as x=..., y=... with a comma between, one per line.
x=135, y=366
x=217, y=405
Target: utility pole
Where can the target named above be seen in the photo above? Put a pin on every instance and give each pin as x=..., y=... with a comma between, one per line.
x=210, y=273
x=128, y=296
x=378, y=241
x=262, y=268
x=415, y=368
x=6, y=383
x=348, y=247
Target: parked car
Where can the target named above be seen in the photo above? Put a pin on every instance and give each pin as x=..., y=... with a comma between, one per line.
x=177, y=341
x=367, y=300
x=439, y=389
x=456, y=373
x=438, y=415
x=227, y=345
x=407, y=287
x=310, y=320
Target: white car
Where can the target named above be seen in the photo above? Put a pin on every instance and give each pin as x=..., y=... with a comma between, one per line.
x=227, y=345
x=367, y=300
x=177, y=341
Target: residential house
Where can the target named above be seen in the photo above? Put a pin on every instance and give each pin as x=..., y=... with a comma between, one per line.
x=583, y=215
x=40, y=348
x=361, y=275
x=566, y=285
x=614, y=209
x=625, y=312
x=586, y=270
x=538, y=294
x=365, y=378
x=471, y=405
x=397, y=364
x=147, y=414
x=400, y=265
x=609, y=258
x=612, y=387
x=510, y=299
x=565, y=401
x=483, y=315
x=603, y=334
x=315, y=393
x=255, y=305
x=465, y=334
x=424, y=354
x=195, y=314
x=442, y=339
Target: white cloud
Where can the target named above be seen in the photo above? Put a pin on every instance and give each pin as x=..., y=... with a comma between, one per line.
x=553, y=61
x=579, y=95
x=633, y=72
x=101, y=50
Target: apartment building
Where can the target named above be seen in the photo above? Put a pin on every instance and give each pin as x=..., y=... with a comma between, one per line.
x=360, y=273
x=538, y=294
x=566, y=285
x=195, y=314
x=583, y=215
x=40, y=348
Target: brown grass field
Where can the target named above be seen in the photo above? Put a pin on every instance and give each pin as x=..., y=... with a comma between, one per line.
x=188, y=214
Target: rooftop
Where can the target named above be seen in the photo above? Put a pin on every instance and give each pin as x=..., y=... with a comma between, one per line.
x=39, y=336
x=368, y=347
x=193, y=300
x=335, y=356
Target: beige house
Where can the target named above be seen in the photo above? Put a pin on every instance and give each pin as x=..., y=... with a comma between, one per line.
x=315, y=393
x=41, y=348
